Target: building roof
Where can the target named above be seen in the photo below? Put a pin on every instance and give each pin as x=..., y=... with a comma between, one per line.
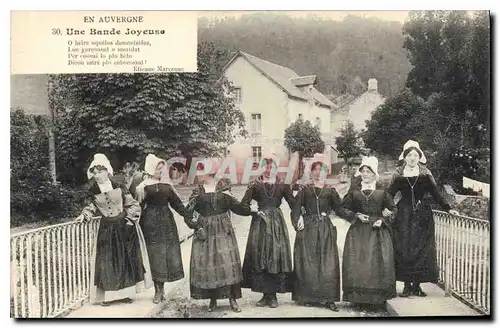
x=342, y=100
x=303, y=80
x=285, y=78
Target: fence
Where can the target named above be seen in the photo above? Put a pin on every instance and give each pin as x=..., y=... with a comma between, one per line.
x=50, y=266
x=463, y=255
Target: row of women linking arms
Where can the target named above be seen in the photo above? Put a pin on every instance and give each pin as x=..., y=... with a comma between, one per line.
x=137, y=244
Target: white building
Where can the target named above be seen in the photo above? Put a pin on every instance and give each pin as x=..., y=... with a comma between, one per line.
x=356, y=109
x=272, y=97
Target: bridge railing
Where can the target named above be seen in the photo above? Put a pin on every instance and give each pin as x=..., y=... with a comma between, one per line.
x=463, y=255
x=50, y=268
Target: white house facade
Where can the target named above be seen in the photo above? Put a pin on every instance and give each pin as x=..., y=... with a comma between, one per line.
x=271, y=98
x=358, y=110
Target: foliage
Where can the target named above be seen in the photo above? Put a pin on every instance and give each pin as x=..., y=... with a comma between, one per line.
x=458, y=46
x=301, y=136
x=394, y=122
x=344, y=54
x=349, y=143
x=127, y=116
x=446, y=105
x=33, y=195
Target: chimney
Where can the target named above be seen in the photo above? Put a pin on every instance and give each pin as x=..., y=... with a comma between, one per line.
x=372, y=85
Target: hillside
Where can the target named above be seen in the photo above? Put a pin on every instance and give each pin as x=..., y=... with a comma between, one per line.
x=344, y=54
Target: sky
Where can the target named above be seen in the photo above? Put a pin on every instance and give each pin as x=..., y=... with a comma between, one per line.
x=398, y=16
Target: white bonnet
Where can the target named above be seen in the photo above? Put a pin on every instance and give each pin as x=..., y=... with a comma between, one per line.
x=414, y=144
x=99, y=159
x=371, y=162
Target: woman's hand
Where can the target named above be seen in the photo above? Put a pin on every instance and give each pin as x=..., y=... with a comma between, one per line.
x=453, y=212
x=386, y=213
x=377, y=223
x=363, y=217
x=261, y=213
x=300, y=224
x=80, y=218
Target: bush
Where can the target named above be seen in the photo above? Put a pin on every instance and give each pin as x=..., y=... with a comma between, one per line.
x=33, y=195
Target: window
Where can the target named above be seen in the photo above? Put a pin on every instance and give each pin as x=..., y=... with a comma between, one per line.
x=256, y=123
x=318, y=122
x=257, y=155
x=300, y=117
x=257, y=152
x=237, y=95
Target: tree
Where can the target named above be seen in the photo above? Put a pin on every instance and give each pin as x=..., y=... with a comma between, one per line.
x=449, y=52
x=127, y=116
x=394, y=122
x=304, y=138
x=450, y=55
x=479, y=86
x=446, y=105
x=349, y=143
x=33, y=196
x=423, y=41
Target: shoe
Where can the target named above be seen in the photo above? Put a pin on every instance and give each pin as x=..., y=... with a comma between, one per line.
x=273, y=303
x=263, y=301
x=332, y=306
x=162, y=292
x=105, y=303
x=212, y=306
x=417, y=291
x=234, y=305
x=157, y=298
x=406, y=291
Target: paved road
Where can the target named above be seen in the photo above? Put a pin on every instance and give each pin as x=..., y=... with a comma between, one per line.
x=180, y=305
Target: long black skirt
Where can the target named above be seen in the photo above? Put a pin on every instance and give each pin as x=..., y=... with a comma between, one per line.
x=415, y=244
x=215, y=267
x=267, y=267
x=118, y=263
x=316, y=262
x=162, y=241
x=368, y=275
x=231, y=291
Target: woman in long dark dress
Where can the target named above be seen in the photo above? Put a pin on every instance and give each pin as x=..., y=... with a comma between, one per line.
x=119, y=264
x=368, y=261
x=159, y=227
x=215, y=267
x=316, y=254
x=267, y=266
x=414, y=240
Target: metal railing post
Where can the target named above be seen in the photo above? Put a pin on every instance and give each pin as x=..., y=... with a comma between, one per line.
x=463, y=245
x=47, y=269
